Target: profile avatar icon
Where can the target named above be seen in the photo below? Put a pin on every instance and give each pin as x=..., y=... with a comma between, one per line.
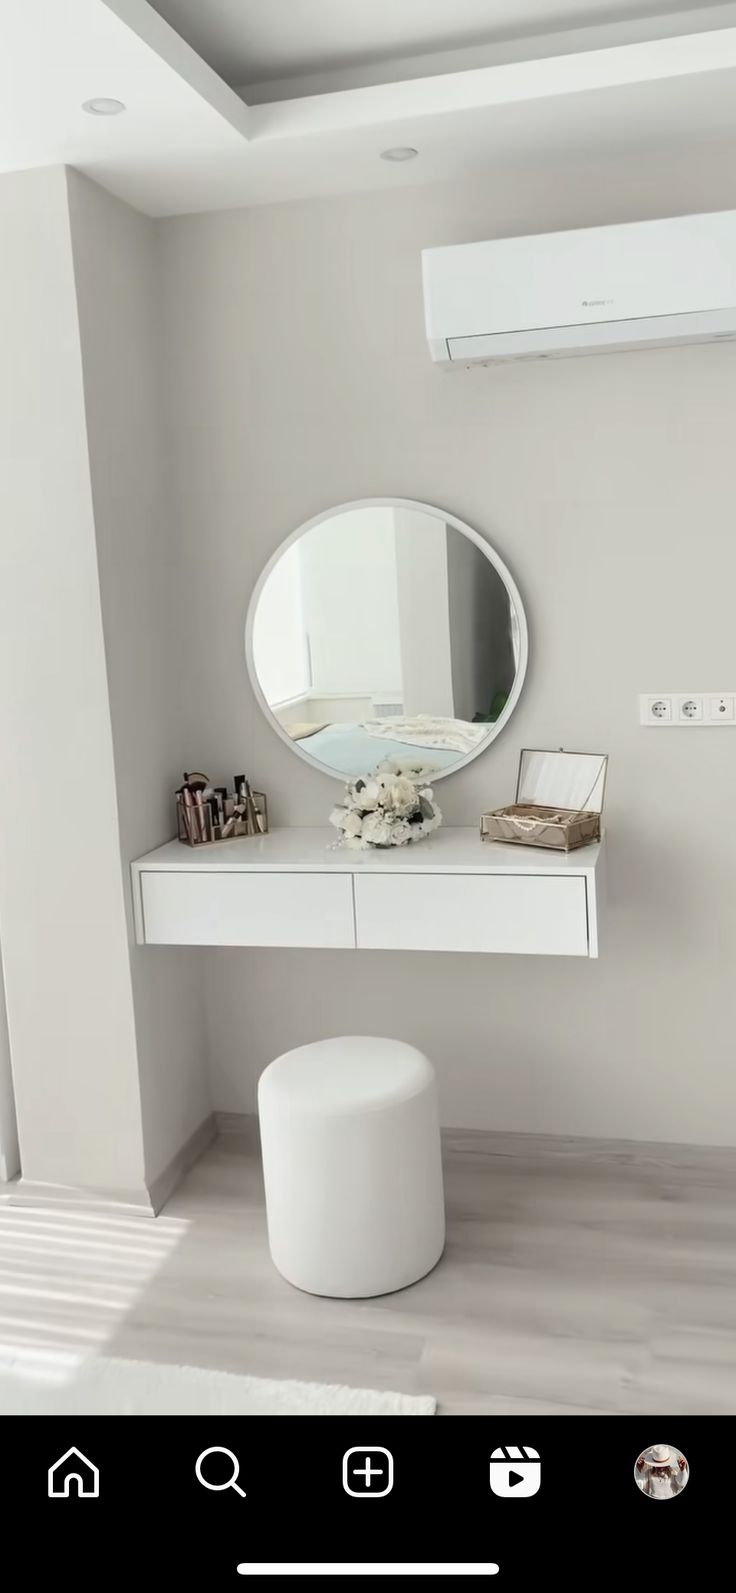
x=661, y=1471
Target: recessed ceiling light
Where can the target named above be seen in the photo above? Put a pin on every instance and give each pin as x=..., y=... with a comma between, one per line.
x=400, y=152
x=103, y=107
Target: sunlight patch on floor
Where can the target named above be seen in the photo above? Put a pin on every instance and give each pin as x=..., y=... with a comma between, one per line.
x=67, y=1281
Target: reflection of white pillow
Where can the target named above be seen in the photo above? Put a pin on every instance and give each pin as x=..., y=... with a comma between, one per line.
x=424, y=730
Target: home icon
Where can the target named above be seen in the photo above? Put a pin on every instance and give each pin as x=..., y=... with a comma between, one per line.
x=74, y=1474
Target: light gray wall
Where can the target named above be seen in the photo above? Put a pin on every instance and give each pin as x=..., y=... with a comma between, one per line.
x=9, y=1151
x=117, y=285
x=299, y=378
x=62, y=910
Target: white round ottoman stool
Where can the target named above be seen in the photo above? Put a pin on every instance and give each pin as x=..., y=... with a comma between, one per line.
x=352, y=1166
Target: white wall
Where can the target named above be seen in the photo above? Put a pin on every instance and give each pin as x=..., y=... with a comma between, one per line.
x=149, y=662
x=62, y=906
x=9, y=1150
x=608, y=484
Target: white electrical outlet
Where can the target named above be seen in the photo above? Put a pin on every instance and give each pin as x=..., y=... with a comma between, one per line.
x=677, y=710
x=655, y=709
x=688, y=709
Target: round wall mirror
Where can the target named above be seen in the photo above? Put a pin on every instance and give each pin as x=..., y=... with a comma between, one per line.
x=386, y=631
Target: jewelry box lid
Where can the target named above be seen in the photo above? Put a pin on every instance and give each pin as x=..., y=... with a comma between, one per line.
x=562, y=779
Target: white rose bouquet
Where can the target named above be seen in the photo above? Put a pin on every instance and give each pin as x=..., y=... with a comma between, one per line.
x=386, y=809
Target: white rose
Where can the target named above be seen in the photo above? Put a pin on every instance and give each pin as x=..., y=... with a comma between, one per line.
x=401, y=833
x=363, y=795
x=347, y=821
x=402, y=796
x=376, y=829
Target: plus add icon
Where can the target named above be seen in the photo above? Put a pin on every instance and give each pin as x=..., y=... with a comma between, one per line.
x=364, y=1477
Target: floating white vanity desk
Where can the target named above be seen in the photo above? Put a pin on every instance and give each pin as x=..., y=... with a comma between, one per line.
x=407, y=650
x=294, y=887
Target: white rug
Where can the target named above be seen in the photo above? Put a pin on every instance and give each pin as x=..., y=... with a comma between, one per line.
x=101, y=1387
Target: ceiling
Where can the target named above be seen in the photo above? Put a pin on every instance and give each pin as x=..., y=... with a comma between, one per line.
x=613, y=89
x=256, y=41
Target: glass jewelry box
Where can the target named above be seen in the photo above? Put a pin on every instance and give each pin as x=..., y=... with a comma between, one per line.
x=558, y=804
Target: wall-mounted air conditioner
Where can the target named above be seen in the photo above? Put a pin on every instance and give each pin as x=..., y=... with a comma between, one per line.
x=638, y=285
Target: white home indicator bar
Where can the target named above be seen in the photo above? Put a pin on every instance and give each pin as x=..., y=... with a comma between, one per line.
x=367, y=1568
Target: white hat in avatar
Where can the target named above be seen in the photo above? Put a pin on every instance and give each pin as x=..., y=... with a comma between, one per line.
x=659, y=1455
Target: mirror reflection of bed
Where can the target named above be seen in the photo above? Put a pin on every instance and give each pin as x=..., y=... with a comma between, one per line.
x=383, y=633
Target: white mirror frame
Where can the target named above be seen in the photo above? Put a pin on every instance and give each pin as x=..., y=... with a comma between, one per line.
x=438, y=514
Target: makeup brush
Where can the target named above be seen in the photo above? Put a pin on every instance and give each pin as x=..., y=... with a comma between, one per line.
x=254, y=827
x=187, y=807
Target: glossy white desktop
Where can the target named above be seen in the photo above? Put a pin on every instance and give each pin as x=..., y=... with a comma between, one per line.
x=294, y=887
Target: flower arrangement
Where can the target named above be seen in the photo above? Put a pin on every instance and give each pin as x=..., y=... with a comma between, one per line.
x=387, y=808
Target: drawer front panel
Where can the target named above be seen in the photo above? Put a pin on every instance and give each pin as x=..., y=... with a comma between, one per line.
x=472, y=912
x=249, y=909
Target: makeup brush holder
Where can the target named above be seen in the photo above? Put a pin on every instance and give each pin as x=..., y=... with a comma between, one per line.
x=201, y=824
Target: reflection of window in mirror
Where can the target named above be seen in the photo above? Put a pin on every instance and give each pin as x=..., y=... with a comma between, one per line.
x=280, y=639
x=385, y=631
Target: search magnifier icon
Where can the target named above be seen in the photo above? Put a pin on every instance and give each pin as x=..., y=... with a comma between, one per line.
x=232, y=1480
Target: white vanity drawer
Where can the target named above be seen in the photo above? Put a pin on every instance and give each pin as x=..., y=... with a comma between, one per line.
x=465, y=912
x=247, y=909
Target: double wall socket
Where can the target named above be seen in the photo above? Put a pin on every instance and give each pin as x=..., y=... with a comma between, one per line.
x=669, y=709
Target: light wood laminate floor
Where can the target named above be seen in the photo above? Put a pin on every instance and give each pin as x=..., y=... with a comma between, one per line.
x=576, y=1279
